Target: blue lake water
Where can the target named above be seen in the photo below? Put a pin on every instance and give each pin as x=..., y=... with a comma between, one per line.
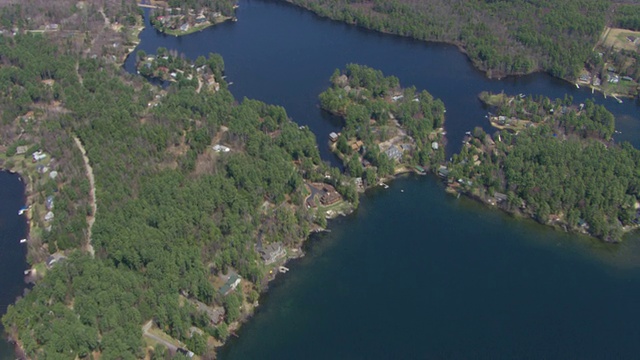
x=12, y=253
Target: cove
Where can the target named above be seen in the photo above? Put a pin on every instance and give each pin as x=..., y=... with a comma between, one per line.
x=12, y=254
x=284, y=55
x=418, y=274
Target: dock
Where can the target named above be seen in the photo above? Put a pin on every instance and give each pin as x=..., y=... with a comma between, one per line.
x=283, y=269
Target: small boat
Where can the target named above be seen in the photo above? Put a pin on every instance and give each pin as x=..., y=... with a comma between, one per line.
x=23, y=210
x=22, y=241
x=577, y=86
x=468, y=133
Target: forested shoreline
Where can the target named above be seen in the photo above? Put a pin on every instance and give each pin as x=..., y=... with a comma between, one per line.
x=555, y=162
x=501, y=38
x=173, y=214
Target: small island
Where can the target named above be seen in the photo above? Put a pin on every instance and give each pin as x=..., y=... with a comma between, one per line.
x=387, y=129
x=561, y=168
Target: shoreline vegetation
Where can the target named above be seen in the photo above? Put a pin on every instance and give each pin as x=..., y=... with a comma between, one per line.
x=557, y=38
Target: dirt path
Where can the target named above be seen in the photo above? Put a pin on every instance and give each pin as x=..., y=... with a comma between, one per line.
x=94, y=207
x=107, y=22
x=145, y=332
x=80, y=79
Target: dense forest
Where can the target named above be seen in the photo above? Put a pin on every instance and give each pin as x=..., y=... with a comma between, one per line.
x=173, y=214
x=561, y=169
x=378, y=115
x=501, y=37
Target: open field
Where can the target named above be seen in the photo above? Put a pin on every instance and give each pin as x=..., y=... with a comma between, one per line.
x=618, y=39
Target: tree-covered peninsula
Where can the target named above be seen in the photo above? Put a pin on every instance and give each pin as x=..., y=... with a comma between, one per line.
x=387, y=129
x=555, y=162
x=199, y=199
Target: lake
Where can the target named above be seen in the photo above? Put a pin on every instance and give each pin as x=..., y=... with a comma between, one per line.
x=12, y=254
x=414, y=273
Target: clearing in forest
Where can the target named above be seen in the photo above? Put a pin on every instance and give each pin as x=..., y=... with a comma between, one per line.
x=620, y=39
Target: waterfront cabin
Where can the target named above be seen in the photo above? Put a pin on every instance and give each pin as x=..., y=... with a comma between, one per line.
x=443, y=172
x=333, y=137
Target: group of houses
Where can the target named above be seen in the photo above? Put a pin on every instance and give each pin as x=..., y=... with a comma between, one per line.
x=177, y=19
x=611, y=77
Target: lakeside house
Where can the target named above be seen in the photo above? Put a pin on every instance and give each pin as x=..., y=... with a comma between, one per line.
x=271, y=253
x=333, y=137
x=330, y=196
x=443, y=171
x=49, y=216
x=54, y=259
x=215, y=314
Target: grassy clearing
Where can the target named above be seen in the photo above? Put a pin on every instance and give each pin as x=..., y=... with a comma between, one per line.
x=617, y=39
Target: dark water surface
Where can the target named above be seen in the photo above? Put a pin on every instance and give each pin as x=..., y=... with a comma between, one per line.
x=418, y=274
x=12, y=253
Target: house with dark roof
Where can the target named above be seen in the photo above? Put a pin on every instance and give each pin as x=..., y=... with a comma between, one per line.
x=271, y=252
